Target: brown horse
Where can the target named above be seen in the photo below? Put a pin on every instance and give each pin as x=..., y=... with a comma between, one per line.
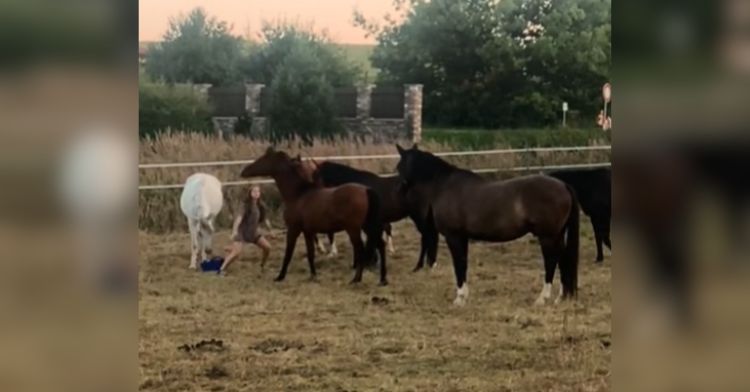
x=394, y=204
x=466, y=206
x=309, y=208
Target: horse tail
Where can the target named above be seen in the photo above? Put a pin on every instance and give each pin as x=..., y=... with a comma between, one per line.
x=569, y=259
x=373, y=226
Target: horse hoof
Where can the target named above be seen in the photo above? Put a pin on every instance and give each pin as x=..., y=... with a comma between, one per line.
x=417, y=268
x=383, y=283
x=540, y=302
x=279, y=279
x=459, y=301
x=192, y=267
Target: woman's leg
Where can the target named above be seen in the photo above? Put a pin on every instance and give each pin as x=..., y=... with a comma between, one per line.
x=263, y=244
x=234, y=252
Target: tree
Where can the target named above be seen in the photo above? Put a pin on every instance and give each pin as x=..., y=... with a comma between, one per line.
x=496, y=63
x=196, y=48
x=280, y=39
x=301, y=97
x=566, y=52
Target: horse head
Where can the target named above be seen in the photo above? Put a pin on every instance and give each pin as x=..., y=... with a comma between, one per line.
x=406, y=167
x=267, y=164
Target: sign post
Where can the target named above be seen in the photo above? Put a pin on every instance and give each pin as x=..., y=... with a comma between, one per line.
x=565, y=112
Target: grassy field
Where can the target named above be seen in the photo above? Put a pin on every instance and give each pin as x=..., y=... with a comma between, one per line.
x=516, y=138
x=327, y=335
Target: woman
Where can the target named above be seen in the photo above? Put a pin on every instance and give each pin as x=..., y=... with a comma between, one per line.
x=246, y=229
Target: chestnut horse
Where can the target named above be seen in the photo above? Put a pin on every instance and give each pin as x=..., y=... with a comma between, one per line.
x=309, y=208
x=466, y=206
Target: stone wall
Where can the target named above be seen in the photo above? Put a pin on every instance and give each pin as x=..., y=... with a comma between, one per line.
x=378, y=129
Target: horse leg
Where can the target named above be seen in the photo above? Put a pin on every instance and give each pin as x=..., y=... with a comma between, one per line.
x=334, y=250
x=291, y=240
x=606, y=233
x=389, y=236
x=358, y=249
x=459, y=248
x=381, y=251
x=432, y=245
x=320, y=245
x=551, y=252
x=207, y=233
x=422, y=251
x=194, y=227
x=598, y=238
x=432, y=239
x=310, y=243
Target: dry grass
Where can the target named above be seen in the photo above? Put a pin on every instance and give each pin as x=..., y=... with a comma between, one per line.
x=159, y=209
x=329, y=336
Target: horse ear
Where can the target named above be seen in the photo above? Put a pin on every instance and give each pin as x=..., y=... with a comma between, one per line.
x=415, y=147
x=270, y=150
x=400, y=149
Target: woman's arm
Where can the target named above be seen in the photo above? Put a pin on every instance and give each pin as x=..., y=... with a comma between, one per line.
x=236, y=225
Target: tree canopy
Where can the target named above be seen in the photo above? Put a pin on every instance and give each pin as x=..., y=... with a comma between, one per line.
x=196, y=48
x=496, y=63
x=280, y=40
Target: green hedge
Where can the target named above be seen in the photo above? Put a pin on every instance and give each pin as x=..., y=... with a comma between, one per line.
x=162, y=107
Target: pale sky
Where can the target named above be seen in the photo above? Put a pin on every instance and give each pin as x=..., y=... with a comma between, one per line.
x=332, y=15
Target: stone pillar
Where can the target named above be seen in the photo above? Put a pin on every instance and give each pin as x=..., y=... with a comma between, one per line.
x=364, y=101
x=224, y=126
x=413, y=111
x=252, y=98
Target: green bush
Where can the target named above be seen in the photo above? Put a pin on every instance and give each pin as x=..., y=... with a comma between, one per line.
x=162, y=107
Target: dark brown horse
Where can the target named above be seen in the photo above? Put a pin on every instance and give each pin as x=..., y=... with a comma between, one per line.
x=395, y=205
x=467, y=206
x=310, y=209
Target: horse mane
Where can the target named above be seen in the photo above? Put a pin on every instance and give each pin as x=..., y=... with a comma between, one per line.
x=340, y=173
x=429, y=166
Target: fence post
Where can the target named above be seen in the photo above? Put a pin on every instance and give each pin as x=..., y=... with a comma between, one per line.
x=252, y=106
x=413, y=111
x=252, y=98
x=364, y=101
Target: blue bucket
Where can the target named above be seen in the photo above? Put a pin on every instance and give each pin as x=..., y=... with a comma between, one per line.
x=212, y=265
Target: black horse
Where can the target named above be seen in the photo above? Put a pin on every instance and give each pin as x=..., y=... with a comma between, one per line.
x=594, y=190
x=466, y=206
x=395, y=205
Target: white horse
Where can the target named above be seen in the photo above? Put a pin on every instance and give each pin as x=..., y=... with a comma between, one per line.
x=201, y=202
